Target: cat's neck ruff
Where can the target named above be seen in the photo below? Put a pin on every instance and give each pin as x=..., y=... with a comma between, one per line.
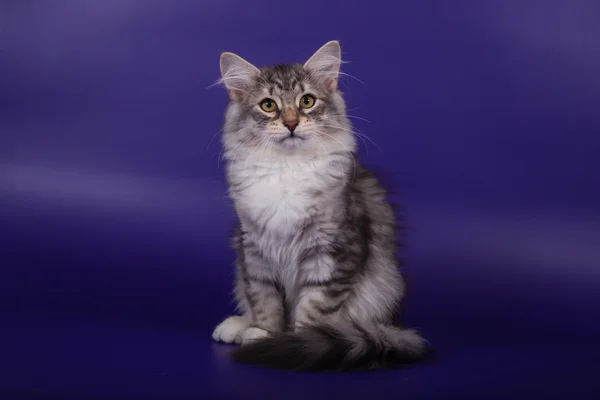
x=279, y=194
x=278, y=163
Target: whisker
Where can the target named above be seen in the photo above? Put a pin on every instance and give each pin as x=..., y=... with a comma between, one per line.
x=350, y=76
x=349, y=116
x=354, y=131
x=265, y=147
x=261, y=146
x=349, y=153
x=236, y=149
x=213, y=138
x=328, y=150
x=362, y=135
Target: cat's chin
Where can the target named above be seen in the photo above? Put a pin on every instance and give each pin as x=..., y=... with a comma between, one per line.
x=291, y=142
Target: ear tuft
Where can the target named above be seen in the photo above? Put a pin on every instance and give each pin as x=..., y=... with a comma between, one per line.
x=325, y=64
x=237, y=74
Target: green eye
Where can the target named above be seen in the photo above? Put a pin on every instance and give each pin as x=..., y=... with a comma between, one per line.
x=307, y=101
x=268, y=105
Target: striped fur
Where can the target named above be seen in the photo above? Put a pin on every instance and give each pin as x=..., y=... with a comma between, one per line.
x=317, y=282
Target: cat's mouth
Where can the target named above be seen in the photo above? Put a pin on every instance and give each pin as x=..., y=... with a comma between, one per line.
x=291, y=141
x=292, y=137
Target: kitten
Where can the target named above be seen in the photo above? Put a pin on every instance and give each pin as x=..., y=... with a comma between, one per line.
x=317, y=282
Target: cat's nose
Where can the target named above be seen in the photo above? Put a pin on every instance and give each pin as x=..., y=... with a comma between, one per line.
x=290, y=118
x=291, y=124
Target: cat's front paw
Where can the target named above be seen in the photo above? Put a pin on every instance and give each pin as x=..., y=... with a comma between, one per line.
x=253, y=333
x=231, y=330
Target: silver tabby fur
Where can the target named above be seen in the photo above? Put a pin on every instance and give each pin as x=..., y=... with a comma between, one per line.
x=317, y=283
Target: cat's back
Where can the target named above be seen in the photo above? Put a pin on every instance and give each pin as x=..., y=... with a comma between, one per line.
x=372, y=194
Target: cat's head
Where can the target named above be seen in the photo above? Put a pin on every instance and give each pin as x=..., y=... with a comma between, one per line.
x=286, y=110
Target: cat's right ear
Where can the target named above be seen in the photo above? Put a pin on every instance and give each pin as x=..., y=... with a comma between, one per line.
x=237, y=74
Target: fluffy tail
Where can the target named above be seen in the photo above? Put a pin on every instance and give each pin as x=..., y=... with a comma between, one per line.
x=335, y=348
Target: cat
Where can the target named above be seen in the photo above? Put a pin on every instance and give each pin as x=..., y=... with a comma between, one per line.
x=317, y=282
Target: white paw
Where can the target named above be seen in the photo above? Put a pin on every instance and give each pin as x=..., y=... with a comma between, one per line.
x=253, y=333
x=231, y=330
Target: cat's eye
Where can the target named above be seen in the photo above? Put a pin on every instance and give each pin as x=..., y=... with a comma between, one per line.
x=268, y=105
x=307, y=101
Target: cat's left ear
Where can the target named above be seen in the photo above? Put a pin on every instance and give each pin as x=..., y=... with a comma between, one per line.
x=237, y=74
x=325, y=64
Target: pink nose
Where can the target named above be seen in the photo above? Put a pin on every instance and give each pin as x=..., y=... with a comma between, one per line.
x=291, y=125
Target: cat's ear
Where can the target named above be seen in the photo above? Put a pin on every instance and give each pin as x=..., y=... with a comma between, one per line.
x=237, y=74
x=325, y=64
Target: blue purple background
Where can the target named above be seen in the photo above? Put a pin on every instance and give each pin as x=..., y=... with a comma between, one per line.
x=114, y=222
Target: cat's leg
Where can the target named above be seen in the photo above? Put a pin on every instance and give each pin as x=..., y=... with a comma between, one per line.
x=323, y=290
x=265, y=300
x=232, y=328
x=259, y=298
x=262, y=294
x=264, y=314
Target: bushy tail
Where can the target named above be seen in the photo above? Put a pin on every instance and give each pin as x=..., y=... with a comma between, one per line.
x=335, y=348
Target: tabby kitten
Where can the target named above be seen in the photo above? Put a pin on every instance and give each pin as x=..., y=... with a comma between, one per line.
x=317, y=282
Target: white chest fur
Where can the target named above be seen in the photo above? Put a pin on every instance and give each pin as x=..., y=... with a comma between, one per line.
x=274, y=200
x=278, y=196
